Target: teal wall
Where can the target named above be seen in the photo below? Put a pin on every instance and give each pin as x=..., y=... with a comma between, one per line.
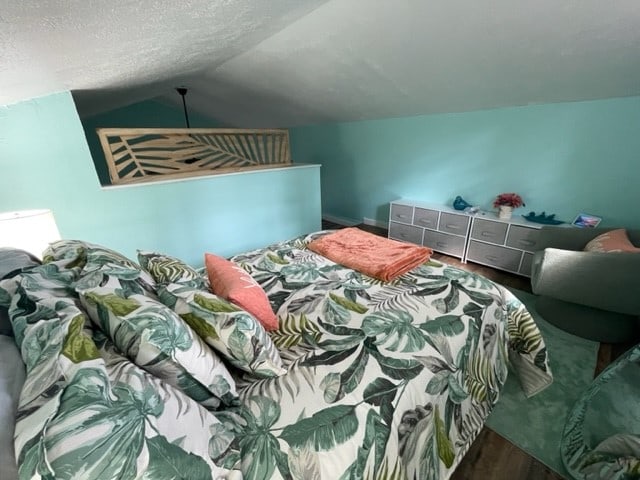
x=150, y=114
x=562, y=158
x=45, y=163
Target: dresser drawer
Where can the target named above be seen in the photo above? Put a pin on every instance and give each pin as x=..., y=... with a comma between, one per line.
x=445, y=243
x=424, y=217
x=525, y=268
x=452, y=223
x=493, y=255
x=488, y=231
x=524, y=238
x=401, y=213
x=407, y=233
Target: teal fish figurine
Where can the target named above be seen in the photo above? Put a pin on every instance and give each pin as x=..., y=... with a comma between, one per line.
x=543, y=218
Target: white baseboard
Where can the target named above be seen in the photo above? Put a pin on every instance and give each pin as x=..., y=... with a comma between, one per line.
x=375, y=223
x=348, y=222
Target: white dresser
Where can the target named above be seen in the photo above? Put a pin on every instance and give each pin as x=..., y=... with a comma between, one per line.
x=481, y=238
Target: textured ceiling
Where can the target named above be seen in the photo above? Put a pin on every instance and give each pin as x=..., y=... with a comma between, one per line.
x=293, y=62
x=111, y=53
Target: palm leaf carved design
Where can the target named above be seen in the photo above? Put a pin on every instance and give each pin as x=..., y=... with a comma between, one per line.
x=136, y=155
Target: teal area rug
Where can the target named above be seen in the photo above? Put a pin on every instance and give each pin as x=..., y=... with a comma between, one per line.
x=535, y=424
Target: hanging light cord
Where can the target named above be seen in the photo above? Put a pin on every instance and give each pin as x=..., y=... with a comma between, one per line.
x=183, y=92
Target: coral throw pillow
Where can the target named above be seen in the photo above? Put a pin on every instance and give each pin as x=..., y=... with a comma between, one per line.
x=612, y=241
x=229, y=281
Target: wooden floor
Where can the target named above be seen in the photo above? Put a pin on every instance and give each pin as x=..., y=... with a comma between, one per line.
x=492, y=457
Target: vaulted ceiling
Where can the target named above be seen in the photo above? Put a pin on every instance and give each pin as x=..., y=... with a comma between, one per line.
x=294, y=62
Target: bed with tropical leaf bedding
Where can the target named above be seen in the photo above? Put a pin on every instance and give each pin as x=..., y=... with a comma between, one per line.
x=143, y=372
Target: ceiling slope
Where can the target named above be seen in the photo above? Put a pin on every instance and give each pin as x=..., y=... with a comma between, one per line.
x=364, y=59
x=111, y=53
x=295, y=62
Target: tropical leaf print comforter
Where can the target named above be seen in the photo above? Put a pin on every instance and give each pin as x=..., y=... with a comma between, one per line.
x=385, y=380
x=86, y=412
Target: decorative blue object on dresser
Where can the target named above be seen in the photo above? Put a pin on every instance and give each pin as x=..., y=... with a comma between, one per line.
x=542, y=218
x=460, y=203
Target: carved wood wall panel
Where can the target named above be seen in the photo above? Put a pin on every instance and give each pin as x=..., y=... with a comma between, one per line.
x=136, y=155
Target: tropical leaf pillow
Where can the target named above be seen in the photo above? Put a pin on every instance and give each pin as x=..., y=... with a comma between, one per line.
x=111, y=262
x=130, y=427
x=184, y=439
x=20, y=295
x=156, y=339
x=166, y=269
x=86, y=259
x=84, y=252
x=69, y=253
x=87, y=412
x=234, y=333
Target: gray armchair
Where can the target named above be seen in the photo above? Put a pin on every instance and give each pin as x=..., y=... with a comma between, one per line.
x=590, y=294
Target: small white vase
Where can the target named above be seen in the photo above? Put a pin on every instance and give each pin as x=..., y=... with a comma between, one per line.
x=504, y=212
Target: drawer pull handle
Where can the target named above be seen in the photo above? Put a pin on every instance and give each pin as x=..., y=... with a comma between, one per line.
x=400, y=215
x=491, y=258
x=487, y=234
x=527, y=242
x=441, y=244
x=452, y=226
x=425, y=222
x=403, y=235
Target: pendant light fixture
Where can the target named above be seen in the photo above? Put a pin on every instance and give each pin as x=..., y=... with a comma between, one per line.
x=183, y=93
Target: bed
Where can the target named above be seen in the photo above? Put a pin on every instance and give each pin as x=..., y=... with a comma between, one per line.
x=363, y=379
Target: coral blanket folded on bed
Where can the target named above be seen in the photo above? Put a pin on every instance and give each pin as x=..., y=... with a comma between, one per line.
x=370, y=254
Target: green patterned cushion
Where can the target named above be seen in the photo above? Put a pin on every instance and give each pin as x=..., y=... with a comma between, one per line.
x=156, y=339
x=236, y=334
x=87, y=412
x=85, y=253
x=167, y=269
x=20, y=295
x=111, y=262
x=70, y=253
x=85, y=259
x=196, y=440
